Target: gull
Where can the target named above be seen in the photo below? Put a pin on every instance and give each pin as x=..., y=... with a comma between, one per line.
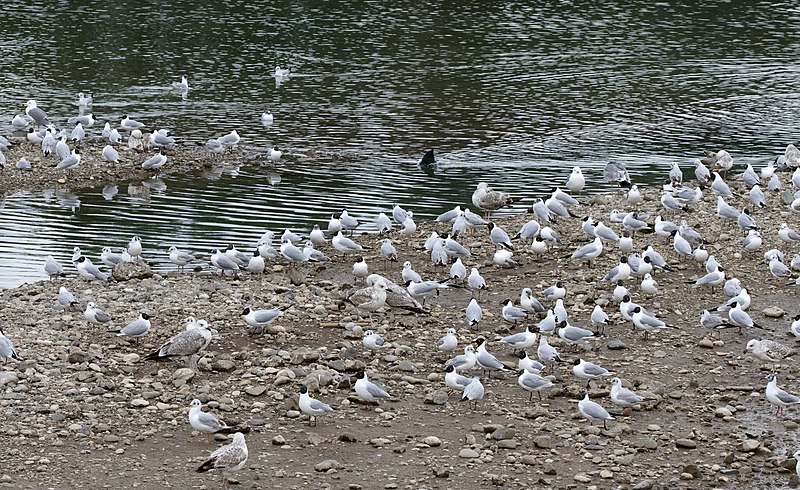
x=457, y=270
x=675, y=174
x=311, y=406
x=649, y=286
x=621, y=272
x=633, y=224
x=388, y=251
x=373, y=341
x=136, y=328
x=62, y=148
x=557, y=207
x=84, y=100
x=282, y=72
x=396, y=296
x=88, y=270
x=465, y=361
x=539, y=246
x=360, y=269
x=521, y=340
x=732, y=287
x=719, y=186
x=576, y=336
x=156, y=161
x=70, y=162
x=475, y=281
x=134, y=141
x=7, y=349
x=752, y=241
x=550, y=236
x=528, y=303
x=109, y=258
x=740, y=318
x=134, y=247
x=588, y=227
x=18, y=122
x=455, y=249
x=259, y=319
x=504, y=258
x=399, y=214
x=540, y=210
x=266, y=250
x=439, y=255
x=182, y=85
x=87, y=120
x=681, y=245
x=205, y=422
x=532, y=382
x=624, y=397
x=474, y=313
x=778, y=269
x=344, y=244
x=78, y=133
x=670, y=203
x=37, y=138
x=66, y=299
x=238, y=257
x=313, y=255
x=528, y=231
x=383, y=223
x=700, y=254
x=455, y=381
x=129, y=124
x=347, y=221
x=750, y=177
x=768, y=350
x=565, y=198
x=616, y=173
x=528, y=364
x=490, y=200
x=643, y=321
x=317, y=237
x=547, y=354
x=512, y=313
x=424, y=289
x=367, y=390
x=449, y=342
x=593, y=411
x=274, y=154
x=110, y=154
x=267, y=118
x=701, y=173
x=664, y=228
x=449, y=216
x=713, y=322
x=656, y=260
x=409, y=226
x=589, y=371
x=589, y=252
x=214, y=145
x=52, y=268
x=371, y=298
x=409, y=274
x=498, y=236
x=605, y=233
x=227, y=459
x=473, y=220
x=560, y=311
x=620, y=291
x=473, y=392
x=163, y=139
x=626, y=307
x=599, y=317
x=688, y=194
x=778, y=397
x=189, y=343
x=557, y=291
x=576, y=181
x=548, y=324
x=634, y=197
x=37, y=114
x=95, y=315
x=745, y=221
x=640, y=266
x=787, y=234
x=179, y=257
x=223, y=262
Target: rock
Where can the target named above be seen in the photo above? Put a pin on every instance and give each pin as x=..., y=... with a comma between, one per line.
x=278, y=440
x=347, y=437
x=126, y=271
x=686, y=443
x=328, y=464
x=407, y=366
x=616, y=345
x=432, y=441
x=693, y=470
x=686, y=476
x=749, y=445
x=507, y=444
x=543, y=442
x=645, y=443
x=224, y=365
x=773, y=312
x=8, y=378
x=582, y=478
x=184, y=374
x=606, y=474
x=255, y=390
x=503, y=433
x=468, y=453
x=528, y=459
x=706, y=343
x=722, y=412
x=645, y=484
x=438, y=397
x=315, y=439
x=441, y=473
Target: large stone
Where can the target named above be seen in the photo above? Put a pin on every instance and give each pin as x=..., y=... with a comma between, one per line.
x=749, y=445
x=328, y=464
x=468, y=453
x=126, y=271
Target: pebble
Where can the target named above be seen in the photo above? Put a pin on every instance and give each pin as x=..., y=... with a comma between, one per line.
x=749, y=445
x=328, y=464
x=468, y=453
x=686, y=443
x=432, y=441
x=773, y=312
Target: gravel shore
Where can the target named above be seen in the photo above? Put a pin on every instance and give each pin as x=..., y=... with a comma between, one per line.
x=86, y=409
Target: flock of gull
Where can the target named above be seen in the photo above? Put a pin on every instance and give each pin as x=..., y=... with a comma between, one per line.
x=546, y=328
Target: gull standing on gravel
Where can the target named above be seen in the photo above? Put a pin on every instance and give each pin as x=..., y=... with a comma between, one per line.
x=457, y=270
x=227, y=459
x=360, y=269
x=367, y=390
x=449, y=342
x=409, y=274
x=528, y=231
x=740, y=318
x=369, y=299
x=52, y=268
x=599, y=318
x=589, y=252
x=714, y=323
x=476, y=282
x=474, y=313
x=36, y=113
x=388, y=251
x=768, y=350
x=156, y=161
x=520, y=341
x=455, y=381
x=345, y=245
x=528, y=303
x=71, y=161
x=547, y=354
x=136, y=328
x=311, y=406
x=576, y=336
x=532, y=382
x=511, y=313
x=779, y=397
x=205, y=422
x=110, y=154
x=180, y=258
x=188, y=343
x=373, y=341
x=424, y=289
x=589, y=371
x=222, y=262
x=383, y=223
x=624, y=397
x=647, y=323
x=576, y=180
x=88, y=270
x=465, y=361
x=66, y=299
x=258, y=319
x=317, y=237
x=455, y=249
x=129, y=124
x=473, y=392
x=593, y=411
x=7, y=349
x=555, y=292
x=498, y=236
x=490, y=200
x=95, y=315
x=109, y=258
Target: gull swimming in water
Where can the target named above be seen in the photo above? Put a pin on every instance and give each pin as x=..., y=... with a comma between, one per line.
x=182, y=85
